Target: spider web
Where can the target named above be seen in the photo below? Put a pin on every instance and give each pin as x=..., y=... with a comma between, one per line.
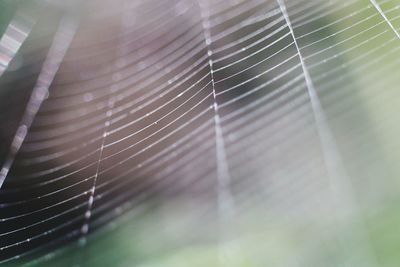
x=238, y=107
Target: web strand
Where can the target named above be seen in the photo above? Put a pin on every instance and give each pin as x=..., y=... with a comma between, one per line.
x=53, y=60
